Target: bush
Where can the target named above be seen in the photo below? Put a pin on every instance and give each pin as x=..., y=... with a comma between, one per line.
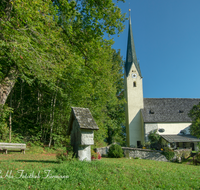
x=115, y=151
x=67, y=155
x=168, y=153
x=95, y=155
x=198, y=156
x=63, y=156
x=104, y=155
x=35, y=150
x=154, y=139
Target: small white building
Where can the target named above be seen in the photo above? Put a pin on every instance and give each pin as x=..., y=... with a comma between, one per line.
x=167, y=115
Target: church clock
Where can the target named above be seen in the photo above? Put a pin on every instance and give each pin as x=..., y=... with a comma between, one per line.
x=134, y=75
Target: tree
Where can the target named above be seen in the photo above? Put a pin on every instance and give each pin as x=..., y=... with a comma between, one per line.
x=154, y=139
x=194, y=114
x=39, y=39
x=115, y=106
x=53, y=55
x=31, y=44
x=38, y=117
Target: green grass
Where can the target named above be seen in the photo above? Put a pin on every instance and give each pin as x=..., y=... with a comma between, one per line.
x=108, y=173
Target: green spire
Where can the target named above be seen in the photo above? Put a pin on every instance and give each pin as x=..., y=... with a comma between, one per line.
x=131, y=54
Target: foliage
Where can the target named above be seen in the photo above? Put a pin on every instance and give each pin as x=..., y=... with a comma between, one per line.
x=63, y=157
x=198, y=156
x=153, y=136
x=168, y=153
x=95, y=155
x=17, y=138
x=115, y=151
x=35, y=139
x=147, y=144
x=33, y=149
x=62, y=60
x=42, y=39
x=154, y=139
x=198, y=145
x=194, y=114
x=67, y=155
x=106, y=174
x=115, y=121
x=4, y=113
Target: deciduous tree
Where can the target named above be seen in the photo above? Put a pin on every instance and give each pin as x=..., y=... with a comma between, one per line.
x=54, y=55
x=194, y=114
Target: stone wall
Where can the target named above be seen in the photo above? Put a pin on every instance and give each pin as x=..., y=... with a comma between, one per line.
x=136, y=153
x=144, y=154
x=181, y=154
x=148, y=154
x=103, y=150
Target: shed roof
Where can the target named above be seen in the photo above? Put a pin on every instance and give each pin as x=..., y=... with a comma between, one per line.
x=180, y=138
x=167, y=109
x=84, y=119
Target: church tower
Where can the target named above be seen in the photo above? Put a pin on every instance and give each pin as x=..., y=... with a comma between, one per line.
x=133, y=94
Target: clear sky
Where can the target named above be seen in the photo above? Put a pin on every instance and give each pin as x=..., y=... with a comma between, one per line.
x=167, y=42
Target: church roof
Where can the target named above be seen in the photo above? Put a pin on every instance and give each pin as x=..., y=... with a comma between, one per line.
x=131, y=54
x=180, y=138
x=167, y=109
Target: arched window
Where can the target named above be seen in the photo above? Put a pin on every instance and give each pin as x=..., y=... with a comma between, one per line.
x=134, y=84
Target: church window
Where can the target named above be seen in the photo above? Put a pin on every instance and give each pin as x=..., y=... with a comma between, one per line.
x=151, y=112
x=134, y=84
x=161, y=130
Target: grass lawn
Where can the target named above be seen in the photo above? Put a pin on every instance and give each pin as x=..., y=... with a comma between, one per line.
x=42, y=171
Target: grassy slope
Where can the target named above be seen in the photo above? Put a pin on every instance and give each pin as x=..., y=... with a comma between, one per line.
x=105, y=174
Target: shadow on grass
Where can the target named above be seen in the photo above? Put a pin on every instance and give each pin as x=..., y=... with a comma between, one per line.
x=42, y=161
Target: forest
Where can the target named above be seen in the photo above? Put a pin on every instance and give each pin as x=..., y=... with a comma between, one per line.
x=54, y=56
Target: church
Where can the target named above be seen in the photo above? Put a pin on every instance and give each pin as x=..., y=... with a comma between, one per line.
x=169, y=116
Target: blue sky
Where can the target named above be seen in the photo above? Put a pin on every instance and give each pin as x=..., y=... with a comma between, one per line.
x=167, y=41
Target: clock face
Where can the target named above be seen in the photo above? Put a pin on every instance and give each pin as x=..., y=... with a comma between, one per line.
x=134, y=75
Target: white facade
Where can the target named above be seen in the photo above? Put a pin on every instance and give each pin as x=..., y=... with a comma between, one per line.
x=134, y=98
x=169, y=128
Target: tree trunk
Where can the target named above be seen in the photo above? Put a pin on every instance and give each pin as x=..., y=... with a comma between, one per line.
x=7, y=84
x=10, y=118
x=39, y=115
x=52, y=118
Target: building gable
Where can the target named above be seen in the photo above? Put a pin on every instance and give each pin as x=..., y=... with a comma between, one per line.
x=83, y=118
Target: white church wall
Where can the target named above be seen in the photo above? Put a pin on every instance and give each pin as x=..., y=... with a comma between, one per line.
x=174, y=128
x=143, y=130
x=134, y=98
x=148, y=128
x=169, y=128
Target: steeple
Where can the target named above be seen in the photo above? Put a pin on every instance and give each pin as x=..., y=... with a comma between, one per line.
x=131, y=54
x=133, y=94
